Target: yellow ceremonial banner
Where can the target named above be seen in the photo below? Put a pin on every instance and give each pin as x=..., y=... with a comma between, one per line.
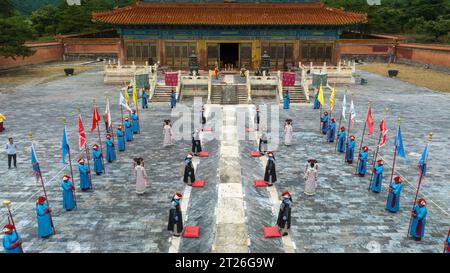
x=135, y=98
x=332, y=97
x=126, y=95
x=320, y=97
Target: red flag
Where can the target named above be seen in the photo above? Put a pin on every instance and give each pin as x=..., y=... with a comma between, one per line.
x=370, y=121
x=81, y=133
x=384, y=131
x=95, y=118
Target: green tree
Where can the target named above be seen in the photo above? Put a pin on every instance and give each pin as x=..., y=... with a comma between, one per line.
x=6, y=8
x=14, y=32
x=45, y=20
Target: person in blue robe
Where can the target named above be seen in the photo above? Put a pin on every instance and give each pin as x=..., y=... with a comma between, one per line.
x=316, y=100
x=393, y=202
x=135, y=122
x=331, y=130
x=128, y=130
x=110, y=149
x=85, y=180
x=419, y=220
x=144, y=98
x=350, y=151
x=325, y=123
x=98, y=159
x=11, y=241
x=362, y=164
x=120, y=139
x=45, y=228
x=377, y=177
x=286, y=100
x=341, y=140
x=173, y=99
x=68, y=193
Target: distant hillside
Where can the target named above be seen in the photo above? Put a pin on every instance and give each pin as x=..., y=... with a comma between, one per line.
x=28, y=6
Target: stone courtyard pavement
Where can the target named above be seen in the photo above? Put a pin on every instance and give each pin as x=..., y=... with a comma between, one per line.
x=341, y=217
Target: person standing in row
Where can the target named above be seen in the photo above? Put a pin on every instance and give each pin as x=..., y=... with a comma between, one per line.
x=135, y=122
x=257, y=117
x=173, y=99
x=110, y=149
x=325, y=123
x=120, y=139
x=284, y=215
x=419, y=214
x=203, y=118
x=85, y=180
x=145, y=98
x=141, y=177
x=11, y=241
x=349, y=153
x=128, y=129
x=332, y=130
x=447, y=243
x=98, y=159
x=270, y=174
x=288, y=132
x=11, y=151
x=167, y=129
x=286, y=100
x=316, y=100
x=310, y=177
x=362, y=164
x=341, y=140
x=263, y=142
x=68, y=193
x=393, y=202
x=189, y=175
x=196, y=142
x=45, y=228
x=175, y=223
x=377, y=177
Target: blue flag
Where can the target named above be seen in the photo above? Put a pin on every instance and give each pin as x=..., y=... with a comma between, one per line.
x=399, y=143
x=34, y=161
x=64, y=146
x=423, y=162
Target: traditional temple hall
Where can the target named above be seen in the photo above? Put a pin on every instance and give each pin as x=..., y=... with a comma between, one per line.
x=232, y=34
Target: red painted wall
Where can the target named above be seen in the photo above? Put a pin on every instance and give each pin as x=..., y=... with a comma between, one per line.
x=44, y=52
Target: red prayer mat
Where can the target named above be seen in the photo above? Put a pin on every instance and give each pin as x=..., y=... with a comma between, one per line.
x=272, y=232
x=207, y=129
x=255, y=154
x=198, y=184
x=260, y=183
x=203, y=154
x=250, y=129
x=191, y=232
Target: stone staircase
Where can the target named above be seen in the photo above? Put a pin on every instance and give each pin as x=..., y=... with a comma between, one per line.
x=216, y=94
x=242, y=94
x=162, y=93
x=297, y=94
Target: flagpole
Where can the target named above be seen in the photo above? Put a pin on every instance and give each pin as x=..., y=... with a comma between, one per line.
x=89, y=166
x=123, y=126
x=348, y=129
x=43, y=187
x=99, y=137
x=430, y=137
x=70, y=165
x=339, y=127
x=374, y=157
x=395, y=152
x=110, y=120
x=7, y=204
x=362, y=139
